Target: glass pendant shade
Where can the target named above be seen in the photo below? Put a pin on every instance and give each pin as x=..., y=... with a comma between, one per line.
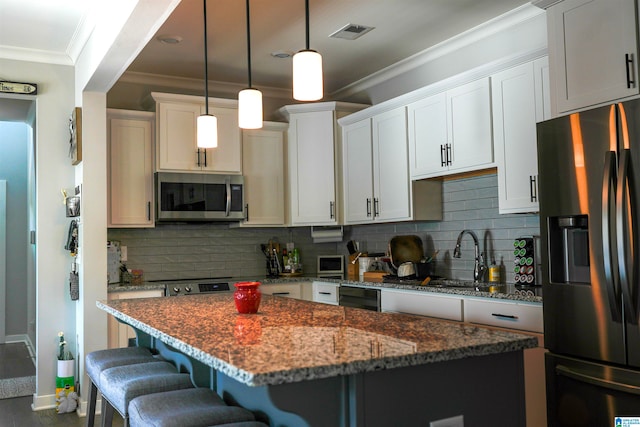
x=250, y=109
x=307, y=75
x=207, y=131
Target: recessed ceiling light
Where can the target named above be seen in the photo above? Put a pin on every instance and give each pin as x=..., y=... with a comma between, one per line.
x=282, y=54
x=351, y=31
x=166, y=39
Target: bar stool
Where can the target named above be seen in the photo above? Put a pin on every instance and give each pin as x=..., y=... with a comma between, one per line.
x=121, y=384
x=187, y=408
x=98, y=361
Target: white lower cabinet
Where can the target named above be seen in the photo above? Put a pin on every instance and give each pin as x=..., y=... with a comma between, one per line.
x=119, y=334
x=422, y=303
x=288, y=290
x=521, y=318
x=511, y=315
x=326, y=292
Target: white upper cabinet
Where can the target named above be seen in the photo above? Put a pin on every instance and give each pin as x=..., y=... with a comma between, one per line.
x=227, y=156
x=357, y=172
x=312, y=168
x=313, y=139
x=263, y=170
x=375, y=172
x=520, y=99
x=391, y=183
x=130, y=169
x=176, y=149
x=450, y=132
x=593, y=52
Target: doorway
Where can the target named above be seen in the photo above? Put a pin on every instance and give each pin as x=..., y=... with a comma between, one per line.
x=17, y=242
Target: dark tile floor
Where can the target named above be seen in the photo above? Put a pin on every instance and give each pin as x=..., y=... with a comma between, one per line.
x=17, y=412
x=15, y=361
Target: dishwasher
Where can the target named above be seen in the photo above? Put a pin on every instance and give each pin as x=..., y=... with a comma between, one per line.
x=353, y=296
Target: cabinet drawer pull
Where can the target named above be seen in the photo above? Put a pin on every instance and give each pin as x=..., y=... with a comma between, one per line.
x=280, y=293
x=533, y=188
x=628, y=57
x=324, y=293
x=505, y=316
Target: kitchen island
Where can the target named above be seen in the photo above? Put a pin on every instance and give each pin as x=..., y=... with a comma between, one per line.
x=299, y=363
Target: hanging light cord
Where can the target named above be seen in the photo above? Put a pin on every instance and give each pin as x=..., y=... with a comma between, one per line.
x=248, y=44
x=306, y=11
x=206, y=62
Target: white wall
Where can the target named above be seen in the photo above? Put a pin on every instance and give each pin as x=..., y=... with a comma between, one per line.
x=56, y=311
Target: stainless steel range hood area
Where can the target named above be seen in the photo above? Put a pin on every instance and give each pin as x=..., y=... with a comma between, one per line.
x=197, y=197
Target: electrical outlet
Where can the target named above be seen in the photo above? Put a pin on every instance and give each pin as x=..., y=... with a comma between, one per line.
x=123, y=253
x=457, y=421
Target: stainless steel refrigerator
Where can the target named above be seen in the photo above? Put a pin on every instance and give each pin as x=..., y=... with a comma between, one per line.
x=589, y=189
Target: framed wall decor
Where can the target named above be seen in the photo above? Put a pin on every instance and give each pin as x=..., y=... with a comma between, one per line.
x=75, y=136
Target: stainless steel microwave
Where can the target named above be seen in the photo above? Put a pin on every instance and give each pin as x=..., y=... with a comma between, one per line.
x=331, y=266
x=199, y=197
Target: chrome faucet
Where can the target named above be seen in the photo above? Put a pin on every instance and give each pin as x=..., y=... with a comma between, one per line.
x=478, y=268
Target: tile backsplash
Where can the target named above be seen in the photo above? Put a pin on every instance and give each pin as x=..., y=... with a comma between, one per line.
x=175, y=251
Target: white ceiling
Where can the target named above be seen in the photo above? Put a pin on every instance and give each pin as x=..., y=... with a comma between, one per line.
x=55, y=31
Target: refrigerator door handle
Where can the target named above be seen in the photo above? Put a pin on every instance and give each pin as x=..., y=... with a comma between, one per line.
x=608, y=251
x=600, y=382
x=624, y=236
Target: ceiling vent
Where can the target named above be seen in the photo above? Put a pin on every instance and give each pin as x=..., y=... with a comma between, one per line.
x=351, y=32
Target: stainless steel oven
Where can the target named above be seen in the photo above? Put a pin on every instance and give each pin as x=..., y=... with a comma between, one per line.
x=196, y=286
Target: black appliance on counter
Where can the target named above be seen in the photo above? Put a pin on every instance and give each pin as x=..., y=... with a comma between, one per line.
x=588, y=165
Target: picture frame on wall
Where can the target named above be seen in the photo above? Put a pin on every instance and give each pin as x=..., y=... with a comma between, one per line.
x=75, y=136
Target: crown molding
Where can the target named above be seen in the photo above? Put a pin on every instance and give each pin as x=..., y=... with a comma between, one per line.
x=35, y=55
x=222, y=88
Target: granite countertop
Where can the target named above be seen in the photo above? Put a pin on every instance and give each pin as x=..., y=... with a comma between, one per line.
x=454, y=287
x=290, y=340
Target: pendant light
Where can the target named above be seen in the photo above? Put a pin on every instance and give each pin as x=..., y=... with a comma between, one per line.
x=249, y=99
x=206, y=124
x=307, y=70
